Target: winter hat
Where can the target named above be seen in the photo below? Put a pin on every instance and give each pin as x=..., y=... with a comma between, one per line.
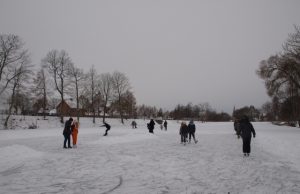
x=191, y=122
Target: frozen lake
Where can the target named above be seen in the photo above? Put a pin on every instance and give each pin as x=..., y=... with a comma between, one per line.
x=134, y=161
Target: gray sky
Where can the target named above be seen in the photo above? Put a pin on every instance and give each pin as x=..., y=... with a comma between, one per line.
x=172, y=51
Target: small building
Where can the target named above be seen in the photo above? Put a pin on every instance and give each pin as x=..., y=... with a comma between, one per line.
x=69, y=109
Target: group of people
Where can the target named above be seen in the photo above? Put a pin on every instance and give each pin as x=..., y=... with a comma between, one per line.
x=151, y=125
x=186, y=132
x=243, y=128
x=71, y=128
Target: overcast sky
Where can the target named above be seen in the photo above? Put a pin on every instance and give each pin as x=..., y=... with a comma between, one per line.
x=172, y=51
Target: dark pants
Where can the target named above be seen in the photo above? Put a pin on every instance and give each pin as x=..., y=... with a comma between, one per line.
x=192, y=134
x=67, y=139
x=151, y=129
x=107, y=129
x=183, y=138
x=246, y=145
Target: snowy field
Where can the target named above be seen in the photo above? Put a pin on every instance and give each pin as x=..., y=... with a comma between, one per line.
x=133, y=161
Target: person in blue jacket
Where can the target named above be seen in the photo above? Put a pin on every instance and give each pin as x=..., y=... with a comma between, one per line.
x=192, y=130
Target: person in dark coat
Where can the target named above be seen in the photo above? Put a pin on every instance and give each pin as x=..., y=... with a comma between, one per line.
x=133, y=124
x=165, y=125
x=67, y=133
x=107, y=128
x=183, y=132
x=246, y=131
x=151, y=126
x=192, y=130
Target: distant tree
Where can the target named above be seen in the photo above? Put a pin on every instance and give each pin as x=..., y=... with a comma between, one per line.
x=12, y=57
x=77, y=78
x=146, y=111
x=98, y=101
x=85, y=102
x=58, y=64
x=40, y=91
x=160, y=113
x=23, y=102
x=249, y=111
x=291, y=47
x=91, y=89
x=106, y=89
x=22, y=75
x=276, y=104
x=141, y=111
x=214, y=116
x=204, y=109
x=281, y=73
x=129, y=104
x=121, y=86
x=268, y=111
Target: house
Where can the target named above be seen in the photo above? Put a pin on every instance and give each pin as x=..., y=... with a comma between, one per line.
x=69, y=109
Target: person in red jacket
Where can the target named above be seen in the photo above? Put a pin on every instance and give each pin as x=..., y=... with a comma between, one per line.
x=75, y=127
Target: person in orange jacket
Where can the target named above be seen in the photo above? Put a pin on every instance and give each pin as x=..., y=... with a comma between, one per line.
x=75, y=127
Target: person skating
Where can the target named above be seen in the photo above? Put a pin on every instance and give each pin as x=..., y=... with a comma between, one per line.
x=75, y=127
x=151, y=126
x=165, y=125
x=246, y=131
x=67, y=133
x=192, y=130
x=107, y=128
x=133, y=124
x=183, y=132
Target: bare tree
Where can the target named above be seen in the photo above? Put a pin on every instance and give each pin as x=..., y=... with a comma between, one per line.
x=121, y=86
x=204, y=109
x=58, y=64
x=98, y=102
x=106, y=89
x=40, y=89
x=129, y=104
x=12, y=54
x=22, y=74
x=91, y=89
x=77, y=77
x=281, y=73
x=292, y=46
x=146, y=111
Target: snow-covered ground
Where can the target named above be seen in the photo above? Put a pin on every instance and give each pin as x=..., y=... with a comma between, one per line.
x=134, y=161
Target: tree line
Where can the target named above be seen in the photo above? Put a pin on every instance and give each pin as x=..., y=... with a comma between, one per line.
x=28, y=90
